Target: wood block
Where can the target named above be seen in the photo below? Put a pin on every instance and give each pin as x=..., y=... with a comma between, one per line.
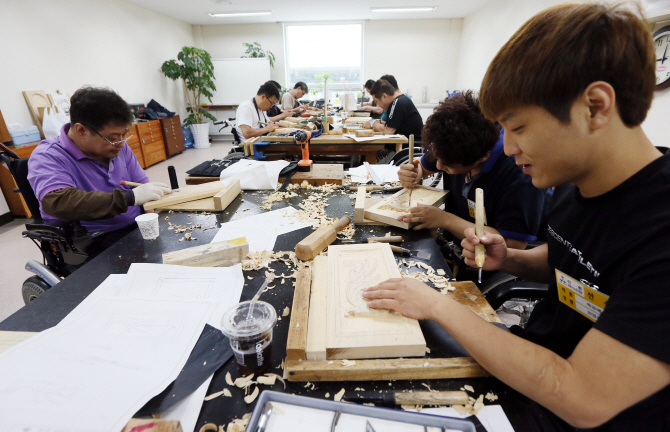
x=316, y=328
x=336, y=132
x=36, y=99
x=296, y=344
x=285, y=130
x=220, y=254
x=205, y=204
x=227, y=195
x=10, y=338
x=385, y=369
x=355, y=120
x=359, y=207
x=186, y=194
x=390, y=208
x=354, y=330
x=152, y=425
x=365, y=133
x=369, y=202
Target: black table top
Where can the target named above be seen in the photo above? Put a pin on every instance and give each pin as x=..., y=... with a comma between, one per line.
x=51, y=307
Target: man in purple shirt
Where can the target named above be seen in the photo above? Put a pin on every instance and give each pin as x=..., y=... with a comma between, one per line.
x=77, y=175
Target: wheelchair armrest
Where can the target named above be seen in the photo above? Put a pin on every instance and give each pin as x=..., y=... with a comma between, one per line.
x=515, y=289
x=56, y=228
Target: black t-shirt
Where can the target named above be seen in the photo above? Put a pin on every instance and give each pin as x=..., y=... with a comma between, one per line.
x=404, y=117
x=512, y=204
x=619, y=242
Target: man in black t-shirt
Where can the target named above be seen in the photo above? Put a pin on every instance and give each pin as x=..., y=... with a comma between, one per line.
x=595, y=352
x=403, y=117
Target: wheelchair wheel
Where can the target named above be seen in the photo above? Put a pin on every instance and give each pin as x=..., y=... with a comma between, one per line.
x=32, y=288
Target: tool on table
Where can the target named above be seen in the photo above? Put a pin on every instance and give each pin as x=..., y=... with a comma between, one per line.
x=173, y=178
x=302, y=137
x=388, y=239
x=316, y=242
x=387, y=190
x=265, y=417
x=368, y=427
x=391, y=399
x=415, y=254
x=480, y=250
x=257, y=296
x=411, y=161
x=336, y=419
x=129, y=183
x=367, y=188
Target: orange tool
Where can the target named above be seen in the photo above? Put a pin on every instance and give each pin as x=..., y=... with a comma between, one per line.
x=302, y=137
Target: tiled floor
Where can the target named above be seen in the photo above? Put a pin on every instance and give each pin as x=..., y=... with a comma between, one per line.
x=15, y=251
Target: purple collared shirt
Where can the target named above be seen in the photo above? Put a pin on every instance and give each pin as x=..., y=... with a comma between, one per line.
x=58, y=163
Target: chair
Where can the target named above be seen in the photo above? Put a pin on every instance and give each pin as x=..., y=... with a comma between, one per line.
x=402, y=158
x=64, y=246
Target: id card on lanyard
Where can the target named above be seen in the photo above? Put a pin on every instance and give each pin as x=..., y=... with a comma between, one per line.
x=471, y=209
x=580, y=297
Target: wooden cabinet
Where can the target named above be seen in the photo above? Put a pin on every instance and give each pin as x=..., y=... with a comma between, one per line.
x=17, y=205
x=134, y=144
x=172, y=135
x=151, y=142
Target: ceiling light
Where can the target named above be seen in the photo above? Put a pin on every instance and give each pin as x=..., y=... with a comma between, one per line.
x=404, y=9
x=238, y=14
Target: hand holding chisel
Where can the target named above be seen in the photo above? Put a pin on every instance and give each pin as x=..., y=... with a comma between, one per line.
x=480, y=250
x=411, y=161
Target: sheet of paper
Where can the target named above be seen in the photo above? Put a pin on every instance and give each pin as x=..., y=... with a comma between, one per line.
x=102, y=367
x=372, y=138
x=386, y=173
x=492, y=417
x=255, y=175
x=188, y=410
x=261, y=230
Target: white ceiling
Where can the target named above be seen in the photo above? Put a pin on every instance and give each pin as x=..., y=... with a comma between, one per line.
x=196, y=11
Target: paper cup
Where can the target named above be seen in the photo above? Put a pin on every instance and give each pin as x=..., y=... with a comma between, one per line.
x=250, y=339
x=148, y=224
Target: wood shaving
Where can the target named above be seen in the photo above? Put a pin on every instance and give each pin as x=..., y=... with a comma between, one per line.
x=327, y=395
x=243, y=382
x=229, y=379
x=490, y=396
x=416, y=408
x=267, y=380
x=330, y=362
x=167, y=217
x=287, y=311
x=427, y=350
x=359, y=389
x=224, y=392
x=427, y=386
x=469, y=388
x=478, y=405
x=347, y=363
x=209, y=427
x=252, y=397
x=426, y=364
x=277, y=377
x=338, y=396
x=237, y=425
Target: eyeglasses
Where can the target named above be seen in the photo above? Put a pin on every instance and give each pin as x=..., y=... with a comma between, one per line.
x=113, y=144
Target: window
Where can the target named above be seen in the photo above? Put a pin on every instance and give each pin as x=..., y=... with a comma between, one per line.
x=333, y=48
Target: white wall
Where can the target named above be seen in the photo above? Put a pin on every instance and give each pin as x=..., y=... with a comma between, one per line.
x=65, y=44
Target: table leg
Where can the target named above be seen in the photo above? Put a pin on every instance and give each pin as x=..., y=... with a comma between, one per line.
x=398, y=147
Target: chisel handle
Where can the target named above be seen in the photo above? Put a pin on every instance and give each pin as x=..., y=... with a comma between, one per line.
x=400, y=250
x=389, y=239
x=432, y=398
x=367, y=188
x=480, y=250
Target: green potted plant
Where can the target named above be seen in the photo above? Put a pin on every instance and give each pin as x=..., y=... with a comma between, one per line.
x=195, y=67
x=254, y=50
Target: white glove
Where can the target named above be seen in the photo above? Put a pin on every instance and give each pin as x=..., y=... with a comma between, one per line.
x=150, y=192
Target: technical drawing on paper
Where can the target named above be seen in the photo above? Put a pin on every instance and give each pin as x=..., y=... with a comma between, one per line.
x=361, y=274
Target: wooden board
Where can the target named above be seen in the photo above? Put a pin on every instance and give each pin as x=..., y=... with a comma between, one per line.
x=36, y=99
x=186, y=194
x=316, y=325
x=218, y=202
x=390, y=208
x=296, y=344
x=359, y=207
x=227, y=195
x=205, y=204
x=219, y=254
x=354, y=330
x=367, y=203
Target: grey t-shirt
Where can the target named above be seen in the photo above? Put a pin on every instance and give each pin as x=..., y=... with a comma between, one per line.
x=288, y=101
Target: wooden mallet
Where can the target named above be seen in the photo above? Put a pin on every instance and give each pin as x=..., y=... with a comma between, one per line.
x=480, y=250
x=316, y=242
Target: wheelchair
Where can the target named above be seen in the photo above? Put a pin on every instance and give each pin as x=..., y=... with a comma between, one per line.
x=65, y=246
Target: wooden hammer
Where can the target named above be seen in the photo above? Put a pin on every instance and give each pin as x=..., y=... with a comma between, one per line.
x=316, y=242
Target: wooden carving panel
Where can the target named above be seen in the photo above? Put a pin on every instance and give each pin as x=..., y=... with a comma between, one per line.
x=355, y=331
x=390, y=208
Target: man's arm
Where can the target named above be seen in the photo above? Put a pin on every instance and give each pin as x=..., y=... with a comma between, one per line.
x=282, y=116
x=378, y=126
x=71, y=204
x=599, y=380
x=373, y=109
x=249, y=132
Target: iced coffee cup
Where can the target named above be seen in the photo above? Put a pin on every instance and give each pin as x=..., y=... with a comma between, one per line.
x=250, y=335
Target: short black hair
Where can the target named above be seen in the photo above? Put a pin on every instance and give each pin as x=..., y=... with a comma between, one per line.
x=269, y=90
x=458, y=132
x=276, y=84
x=381, y=87
x=369, y=83
x=97, y=107
x=302, y=86
x=391, y=79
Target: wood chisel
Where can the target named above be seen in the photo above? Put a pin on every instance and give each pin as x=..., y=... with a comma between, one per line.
x=415, y=254
x=480, y=250
x=411, y=161
x=387, y=239
x=313, y=244
x=390, y=399
x=368, y=188
x=388, y=189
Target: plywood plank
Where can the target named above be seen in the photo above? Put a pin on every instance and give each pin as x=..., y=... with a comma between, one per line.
x=316, y=328
x=186, y=194
x=390, y=208
x=385, y=369
x=220, y=254
x=296, y=344
x=354, y=330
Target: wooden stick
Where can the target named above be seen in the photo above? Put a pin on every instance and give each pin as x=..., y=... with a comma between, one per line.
x=359, y=207
x=367, y=188
x=389, y=239
x=411, y=161
x=480, y=251
x=296, y=344
x=129, y=183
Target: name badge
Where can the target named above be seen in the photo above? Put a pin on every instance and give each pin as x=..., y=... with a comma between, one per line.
x=580, y=297
x=471, y=209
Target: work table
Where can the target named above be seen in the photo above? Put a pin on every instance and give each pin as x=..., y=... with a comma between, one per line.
x=50, y=308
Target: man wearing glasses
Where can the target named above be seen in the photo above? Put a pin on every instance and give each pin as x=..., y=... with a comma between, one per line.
x=252, y=112
x=77, y=175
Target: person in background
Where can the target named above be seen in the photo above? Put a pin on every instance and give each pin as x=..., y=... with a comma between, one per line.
x=274, y=110
x=77, y=175
x=403, y=117
x=252, y=112
x=375, y=111
x=290, y=99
